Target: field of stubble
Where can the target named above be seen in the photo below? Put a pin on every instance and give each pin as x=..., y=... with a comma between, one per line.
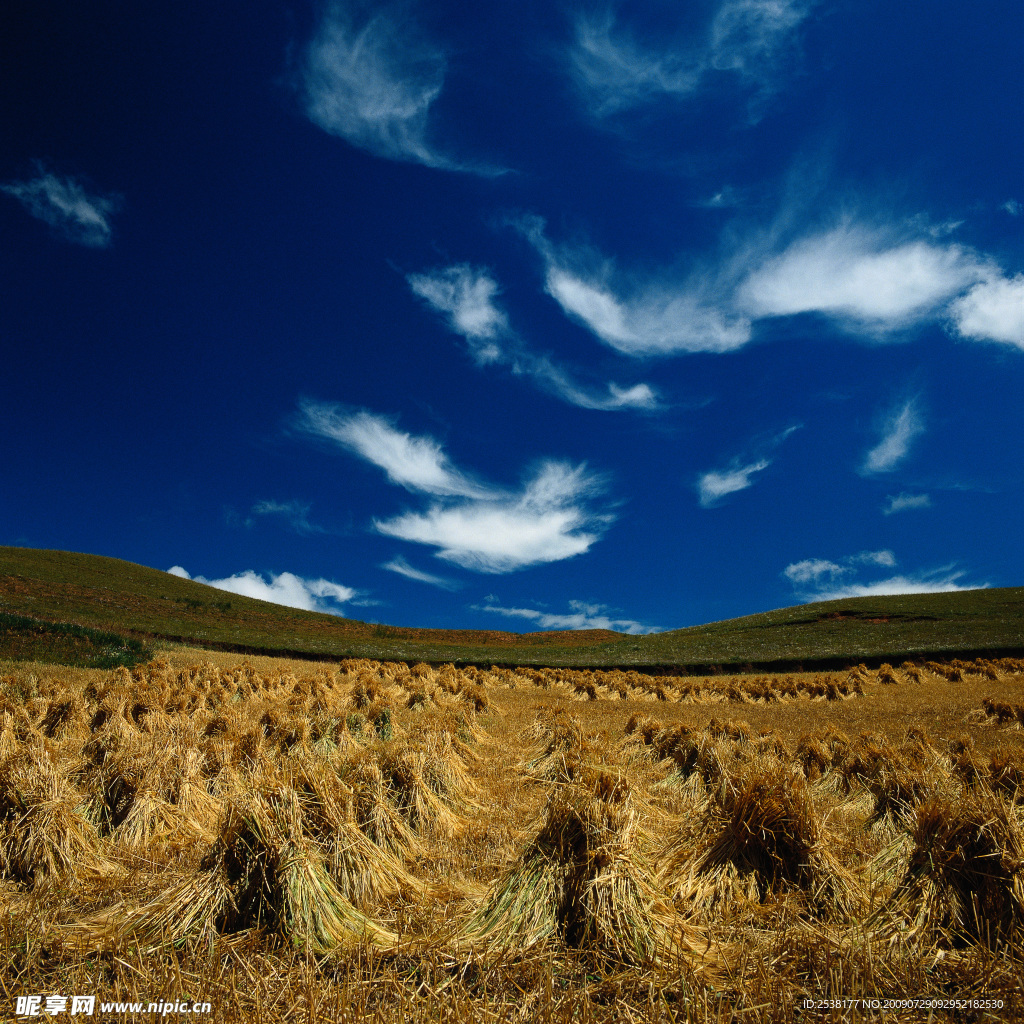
x=292, y=841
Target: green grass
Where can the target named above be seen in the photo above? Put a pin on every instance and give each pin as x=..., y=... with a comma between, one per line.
x=863, y=628
x=130, y=600
x=62, y=643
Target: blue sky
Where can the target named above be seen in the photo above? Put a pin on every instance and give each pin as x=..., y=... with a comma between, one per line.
x=532, y=316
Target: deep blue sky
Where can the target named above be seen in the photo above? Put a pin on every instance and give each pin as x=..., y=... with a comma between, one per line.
x=517, y=316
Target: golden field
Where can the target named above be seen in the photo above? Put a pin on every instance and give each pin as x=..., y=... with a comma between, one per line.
x=300, y=841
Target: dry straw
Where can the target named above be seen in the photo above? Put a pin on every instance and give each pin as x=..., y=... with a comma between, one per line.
x=762, y=840
x=585, y=878
x=964, y=880
x=44, y=833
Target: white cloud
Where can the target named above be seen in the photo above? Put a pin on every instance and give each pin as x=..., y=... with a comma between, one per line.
x=64, y=204
x=939, y=582
x=903, y=501
x=884, y=558
x=403, y=568
x=373, y=82
x=614, y=73
x=546, y=522
x=811, y=570
x=860, y=275
x=872, y=280
x=749, y=38
x=818, y=579
x=715, y=485
x=640, y=318
x=295, y=513
x=899, y=431
x=816, y=570
x=416, y=463
x=992, y=310
x=725, y=197
x=287, y=589
x=582, y=616
x=558, y=382
x=465, y=296
x=477, y=526
x=650, y=320
x=1013, y=207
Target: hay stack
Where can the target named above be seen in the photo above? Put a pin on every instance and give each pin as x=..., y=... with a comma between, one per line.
x=364, y=873
x=373, y=811
x=1006, y=774
x=567, y=747
x=412, y=782
x=964, y=881
x=263, y=872
x=583, y=878
x=761, y=840
x=44, y=834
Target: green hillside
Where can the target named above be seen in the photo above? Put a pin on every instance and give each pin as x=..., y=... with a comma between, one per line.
x=863, y=628
x=132, y=601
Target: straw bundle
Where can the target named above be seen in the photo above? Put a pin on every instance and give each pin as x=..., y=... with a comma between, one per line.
x=584, y=878
x=43, y=833
x=898, y=787
x=823, y=758
x=278, y=879
x=65, y=714
x=964, y=882
x=374, y=813
x=761, y=839
x=363, y=872
x=454, y=729
x=566, y=749
x=1006, y=774
x=188, y=909
x=9, y=742
x=405, y=771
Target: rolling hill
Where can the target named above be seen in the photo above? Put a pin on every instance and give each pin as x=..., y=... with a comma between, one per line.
x=52, y=601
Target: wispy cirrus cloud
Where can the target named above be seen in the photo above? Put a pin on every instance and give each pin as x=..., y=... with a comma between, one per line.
x=400, y=566
x=939, y=581
x=548, y=520
x=638, y=317
x=819, y=579
x=716, y=484
x=582, y=615
x=903, y=501
x=885, y=557
x=467, y=298
x=478, y=526
x=816, y=571
x=870, y=278
x=613, y=71
x=294, y=513
x=416, y=463
x=314, y=595
x=813, y=570
x=899, y=429
x=371, y=77
x=67, y=207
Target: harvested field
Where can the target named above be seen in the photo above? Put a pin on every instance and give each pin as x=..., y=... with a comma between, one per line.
x=294, y=841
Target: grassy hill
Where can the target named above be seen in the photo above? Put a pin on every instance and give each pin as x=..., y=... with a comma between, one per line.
x=111, y=596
